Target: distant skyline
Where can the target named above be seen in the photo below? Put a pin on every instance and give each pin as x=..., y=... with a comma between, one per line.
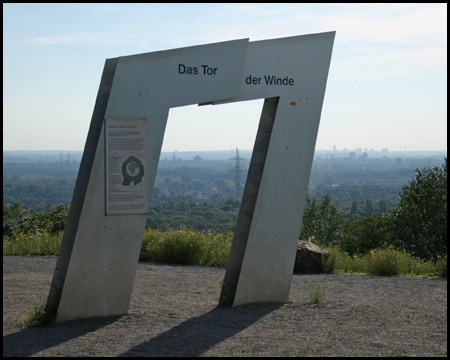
x=387, y=85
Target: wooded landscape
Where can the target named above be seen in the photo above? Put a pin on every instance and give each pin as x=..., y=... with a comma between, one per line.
x=200, y=193
x=356, y=215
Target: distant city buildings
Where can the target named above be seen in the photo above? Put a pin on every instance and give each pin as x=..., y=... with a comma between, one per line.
x=357, y=150
x=363, y=157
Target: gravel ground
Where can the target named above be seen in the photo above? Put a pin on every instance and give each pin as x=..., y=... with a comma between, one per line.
x=174, y=312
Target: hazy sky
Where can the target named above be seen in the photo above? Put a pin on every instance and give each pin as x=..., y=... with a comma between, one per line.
x=387, y=85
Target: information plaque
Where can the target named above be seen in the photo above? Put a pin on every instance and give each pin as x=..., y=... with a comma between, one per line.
x=126, y=161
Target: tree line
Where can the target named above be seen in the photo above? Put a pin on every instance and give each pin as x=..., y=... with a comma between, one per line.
x=42, y=185
x=362, y=200
x=417, y=224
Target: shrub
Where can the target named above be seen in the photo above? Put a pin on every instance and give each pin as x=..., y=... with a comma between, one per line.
x=383, y=262
x=441, y=265
x=350, y=264
x=329, y=262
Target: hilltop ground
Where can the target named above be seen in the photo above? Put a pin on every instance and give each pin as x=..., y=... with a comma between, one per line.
x=173, y=312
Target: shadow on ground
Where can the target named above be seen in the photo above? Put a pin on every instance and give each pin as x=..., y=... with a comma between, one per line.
x=192, y=337
x=33, y=340
x=195, y=336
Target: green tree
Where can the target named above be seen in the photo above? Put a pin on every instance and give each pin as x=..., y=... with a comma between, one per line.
x=13, y=217
x=356, y=194
x=382, y=207
x=17, y=220
x=63, y=182
x=421, y=214
x=234, y=203
x=327, y=181
x=322, y=220
x=354, y=208
x=362, y=234
x=59, y=218
x=222, y=183
x=368, y=208
x=183, y=205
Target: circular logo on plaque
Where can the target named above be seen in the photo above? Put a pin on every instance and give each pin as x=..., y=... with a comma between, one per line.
x=132, y=170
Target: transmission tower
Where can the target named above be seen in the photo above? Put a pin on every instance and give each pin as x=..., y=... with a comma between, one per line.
x=60, y=158
x=238, y=170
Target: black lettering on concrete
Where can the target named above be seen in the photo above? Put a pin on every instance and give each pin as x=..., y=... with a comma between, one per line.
x=207, y=70
x=269, y=80
x=183, y=69
x=253, y=80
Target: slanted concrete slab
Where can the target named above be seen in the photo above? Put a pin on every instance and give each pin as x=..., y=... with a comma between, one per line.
x=95, y=271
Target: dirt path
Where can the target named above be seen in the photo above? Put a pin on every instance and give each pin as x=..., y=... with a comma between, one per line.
x=173, y=312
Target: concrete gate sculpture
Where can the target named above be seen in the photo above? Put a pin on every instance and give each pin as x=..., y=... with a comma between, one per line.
x=96, y=266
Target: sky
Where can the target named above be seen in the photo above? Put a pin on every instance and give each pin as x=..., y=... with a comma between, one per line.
x=387, y=84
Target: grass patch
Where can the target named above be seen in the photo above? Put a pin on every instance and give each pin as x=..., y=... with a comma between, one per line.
x=385, y=261
x=318, y=295
x=37, y=313
x=27, y=244
x=340, y=262
x=206, y=248
x=186, y=247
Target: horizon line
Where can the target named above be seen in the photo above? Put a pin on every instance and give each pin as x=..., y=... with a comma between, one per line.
x=234, y=149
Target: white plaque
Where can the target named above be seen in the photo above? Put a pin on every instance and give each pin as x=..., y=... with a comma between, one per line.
x=126, y=166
